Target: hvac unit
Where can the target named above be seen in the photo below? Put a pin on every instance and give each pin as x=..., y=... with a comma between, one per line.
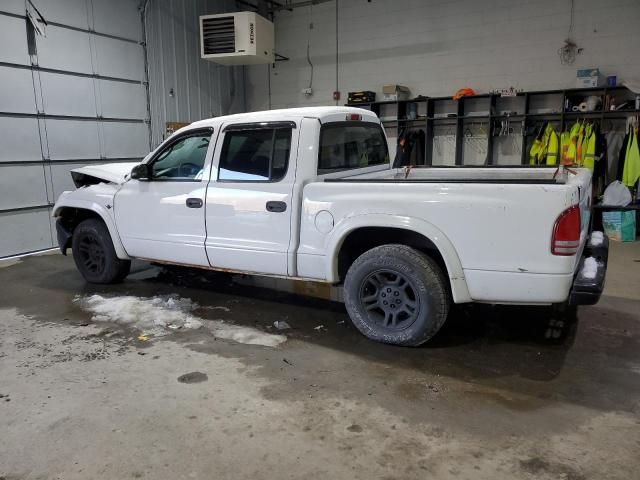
x=241, y=38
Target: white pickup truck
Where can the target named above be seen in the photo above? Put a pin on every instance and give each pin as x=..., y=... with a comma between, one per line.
x=309, y=194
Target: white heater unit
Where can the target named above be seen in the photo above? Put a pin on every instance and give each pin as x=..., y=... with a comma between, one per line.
x=242, y=38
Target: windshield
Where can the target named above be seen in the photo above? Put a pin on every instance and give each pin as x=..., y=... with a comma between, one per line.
x=348, y=145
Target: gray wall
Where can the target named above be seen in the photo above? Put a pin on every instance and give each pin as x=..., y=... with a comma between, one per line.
x=201, y=89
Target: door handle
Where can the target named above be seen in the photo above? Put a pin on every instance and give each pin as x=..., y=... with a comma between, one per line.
x=276, y=207
x=194, y=202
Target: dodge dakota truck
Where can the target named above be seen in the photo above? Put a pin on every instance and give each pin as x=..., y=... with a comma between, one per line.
x=310, y=194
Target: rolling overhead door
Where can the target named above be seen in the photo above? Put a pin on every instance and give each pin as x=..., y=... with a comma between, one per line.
x=72, y=97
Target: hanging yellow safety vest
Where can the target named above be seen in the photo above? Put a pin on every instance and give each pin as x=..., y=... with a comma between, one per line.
x=565, y=140
x=631, y=171
x=552, y=146
x=579, y=145
x=535, y=150
x=589, y=149
x=545, y=148
x=572, y=151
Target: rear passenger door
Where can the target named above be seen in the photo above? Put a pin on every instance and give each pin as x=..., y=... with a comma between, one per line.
x=248, y=200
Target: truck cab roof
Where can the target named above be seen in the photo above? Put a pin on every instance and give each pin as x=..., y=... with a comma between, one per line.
x=323, y=114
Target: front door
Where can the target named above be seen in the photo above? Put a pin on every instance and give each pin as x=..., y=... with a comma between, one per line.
x=249, y=197
x=162, y=217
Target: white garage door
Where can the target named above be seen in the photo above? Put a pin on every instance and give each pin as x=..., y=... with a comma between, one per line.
x=73, y=97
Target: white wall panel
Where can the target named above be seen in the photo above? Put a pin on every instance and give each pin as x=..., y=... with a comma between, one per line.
x=61, y=178
x=66, y=12
x=64, y=49
x=25, y=231
x=16, y=92
x=19, y=139
x=12, y=6
x=22, y=186
x=122, y=100
x=68, y=95
x=13, y=40
x=117, y=58
x=70, y=139
x=124, y=140
x=117, y=17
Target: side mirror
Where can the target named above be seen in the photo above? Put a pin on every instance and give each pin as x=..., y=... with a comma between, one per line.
x=141, y=172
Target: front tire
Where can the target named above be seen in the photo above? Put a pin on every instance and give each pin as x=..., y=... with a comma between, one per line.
x=395, y=294
x=94, y=254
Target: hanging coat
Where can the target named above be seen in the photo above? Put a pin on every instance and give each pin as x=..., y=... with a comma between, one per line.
x=403, y=150
x=622, y=155
x=614, y=144
x=572, y=151
x=565, y=140
x=553, y=146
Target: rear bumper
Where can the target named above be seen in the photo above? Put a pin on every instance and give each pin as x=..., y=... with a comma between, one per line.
x=587, y=289
x=64, y=236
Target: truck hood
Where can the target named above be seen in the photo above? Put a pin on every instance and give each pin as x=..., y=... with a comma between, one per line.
x=110, y=173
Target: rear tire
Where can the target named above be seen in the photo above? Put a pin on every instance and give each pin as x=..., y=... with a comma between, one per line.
x=94, y=254
x=395, y=294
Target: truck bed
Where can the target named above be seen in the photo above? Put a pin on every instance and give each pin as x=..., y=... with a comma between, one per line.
x=504, y=175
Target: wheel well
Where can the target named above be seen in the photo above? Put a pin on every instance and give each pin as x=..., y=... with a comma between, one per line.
x=72, y=216
x=363, y=239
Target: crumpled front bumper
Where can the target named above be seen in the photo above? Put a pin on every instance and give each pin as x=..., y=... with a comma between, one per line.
x=586, y=290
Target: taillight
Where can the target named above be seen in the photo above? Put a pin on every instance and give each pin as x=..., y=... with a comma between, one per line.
x=566, y=232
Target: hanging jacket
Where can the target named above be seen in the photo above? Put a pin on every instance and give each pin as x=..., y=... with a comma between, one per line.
x=417, y=157
x=545, y=147
x=536, y=147
x=553, y=146
x=580, y=145
x=403, y=150
x=589, y=148
x=631, y=172
x=572, y=151
x=614, y=144
x=622, y=154
x=565, y=140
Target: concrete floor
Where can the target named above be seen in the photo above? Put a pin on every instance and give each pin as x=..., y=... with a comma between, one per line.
x=492, y=396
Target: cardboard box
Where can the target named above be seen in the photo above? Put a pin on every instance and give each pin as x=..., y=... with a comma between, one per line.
x=589, y=77
x=395, y=92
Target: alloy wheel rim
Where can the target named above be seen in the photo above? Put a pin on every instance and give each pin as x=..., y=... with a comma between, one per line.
x=92, y=254
x=389, y=299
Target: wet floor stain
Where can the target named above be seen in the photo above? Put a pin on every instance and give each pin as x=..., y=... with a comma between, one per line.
x=193, y=377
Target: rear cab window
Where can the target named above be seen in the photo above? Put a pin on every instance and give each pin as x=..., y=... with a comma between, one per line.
x=351, y=145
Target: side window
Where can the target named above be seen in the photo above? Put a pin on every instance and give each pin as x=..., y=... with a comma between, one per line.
x=259, y=155
x=182, y=160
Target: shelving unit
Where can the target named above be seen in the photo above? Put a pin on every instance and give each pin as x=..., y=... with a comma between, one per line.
x=521, y=115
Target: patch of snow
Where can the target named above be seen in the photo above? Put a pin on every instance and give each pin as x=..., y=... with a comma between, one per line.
x=162, y=314
x=148, y=314
x=597, y=238
x=590, y=268
x=247, y=335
